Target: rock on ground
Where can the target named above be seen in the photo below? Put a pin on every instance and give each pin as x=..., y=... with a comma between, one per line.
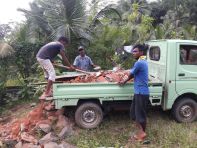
x=50, y=137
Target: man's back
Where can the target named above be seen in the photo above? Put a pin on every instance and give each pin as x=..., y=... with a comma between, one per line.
x=50, y=50
x=140, y=72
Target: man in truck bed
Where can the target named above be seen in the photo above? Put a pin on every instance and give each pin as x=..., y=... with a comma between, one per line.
x=141, y=91
x=46, y=55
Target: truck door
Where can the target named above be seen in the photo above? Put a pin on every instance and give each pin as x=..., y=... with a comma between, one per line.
x=186, y=68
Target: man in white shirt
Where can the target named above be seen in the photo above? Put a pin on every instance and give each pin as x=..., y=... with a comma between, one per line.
x=82, y=61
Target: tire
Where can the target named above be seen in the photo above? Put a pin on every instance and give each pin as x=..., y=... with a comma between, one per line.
x=185, y=110
x=88, y=115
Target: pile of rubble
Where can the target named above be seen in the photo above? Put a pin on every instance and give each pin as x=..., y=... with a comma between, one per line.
x=102, y=76
x=40, y=128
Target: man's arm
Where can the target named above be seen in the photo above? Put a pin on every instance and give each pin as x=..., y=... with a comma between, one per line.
x=125, y=81
x=93, y=65
x=64, y=58
x=133, y=71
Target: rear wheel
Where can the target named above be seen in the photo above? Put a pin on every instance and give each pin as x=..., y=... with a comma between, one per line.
x=88, y=115
x=185, y=110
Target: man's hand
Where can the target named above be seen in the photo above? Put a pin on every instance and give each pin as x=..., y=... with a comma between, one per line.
x=122, y=82
x=72, y=67
x=97, y=68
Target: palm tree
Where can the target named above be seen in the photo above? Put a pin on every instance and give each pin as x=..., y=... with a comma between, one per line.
x=62, y=17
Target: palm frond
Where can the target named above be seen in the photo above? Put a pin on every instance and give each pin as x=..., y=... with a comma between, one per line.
x=5, y=50
x=108, y=12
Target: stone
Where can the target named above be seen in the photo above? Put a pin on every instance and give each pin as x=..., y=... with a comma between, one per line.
x=1, y=143
x=66, y=131
x=29, y=145
x=51, y=145
x=1, y=119
x=45, y=127
x=62, y=122
x=28, y=138
x=19, y=145
x=32, y=104
x=50, y=137
x=52, y=118
x=9, y=143
x=60, y=112
x=66, y=145
x=49, y=107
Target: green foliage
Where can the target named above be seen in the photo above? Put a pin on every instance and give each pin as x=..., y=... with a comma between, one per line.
x=106, y=40
x=24, y=57
x=4, y=70
x=108, y=37
x=26, y=92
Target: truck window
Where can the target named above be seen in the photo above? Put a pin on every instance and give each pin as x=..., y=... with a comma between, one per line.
x=188, y=55
x=154, y=53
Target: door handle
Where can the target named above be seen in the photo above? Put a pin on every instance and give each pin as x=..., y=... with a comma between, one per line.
x=181, y=74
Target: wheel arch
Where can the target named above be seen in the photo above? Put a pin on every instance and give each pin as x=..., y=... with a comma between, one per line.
x=192, y=96
x=92, y=100
x=187, y=98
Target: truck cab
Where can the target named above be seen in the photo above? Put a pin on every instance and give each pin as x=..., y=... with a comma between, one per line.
x=174, y=63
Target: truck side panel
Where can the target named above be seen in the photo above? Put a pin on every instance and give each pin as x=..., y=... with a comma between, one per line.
x=69, y=94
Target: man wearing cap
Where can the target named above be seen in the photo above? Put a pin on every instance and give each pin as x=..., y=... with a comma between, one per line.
x=46, y=55
x=82, y=61
x=141, y=91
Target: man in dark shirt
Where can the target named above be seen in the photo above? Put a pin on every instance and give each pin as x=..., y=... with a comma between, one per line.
x=46, y=55
x=141, y=91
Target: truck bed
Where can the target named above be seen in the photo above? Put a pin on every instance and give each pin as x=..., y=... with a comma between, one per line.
x=68, y=94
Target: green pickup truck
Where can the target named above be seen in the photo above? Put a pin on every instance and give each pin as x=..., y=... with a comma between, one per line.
x=172, y=84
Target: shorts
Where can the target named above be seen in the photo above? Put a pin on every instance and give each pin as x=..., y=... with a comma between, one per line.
x=138, y=110
x=47, y=66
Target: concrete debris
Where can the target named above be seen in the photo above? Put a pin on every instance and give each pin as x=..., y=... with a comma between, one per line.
x=102, y=76
x=62, y=122
x=50, y=137
x=66, y=131
x=45, y=127
x=29, y=145
x=19, y=145
x=51, y=145
x=28, y=138
x=66, y=145
x=32, y=104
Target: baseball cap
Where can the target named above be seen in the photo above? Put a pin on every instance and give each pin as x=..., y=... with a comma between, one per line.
x=80, y=47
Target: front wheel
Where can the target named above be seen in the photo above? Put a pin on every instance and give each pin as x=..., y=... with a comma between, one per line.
x=88, y=115
x=185, y=110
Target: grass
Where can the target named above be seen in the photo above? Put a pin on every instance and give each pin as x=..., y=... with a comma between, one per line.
x=13, y=82
x=9, y=108
x=116, y=128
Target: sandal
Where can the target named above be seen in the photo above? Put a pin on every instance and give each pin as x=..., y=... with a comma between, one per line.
x=138, y=138
x=133, y=139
